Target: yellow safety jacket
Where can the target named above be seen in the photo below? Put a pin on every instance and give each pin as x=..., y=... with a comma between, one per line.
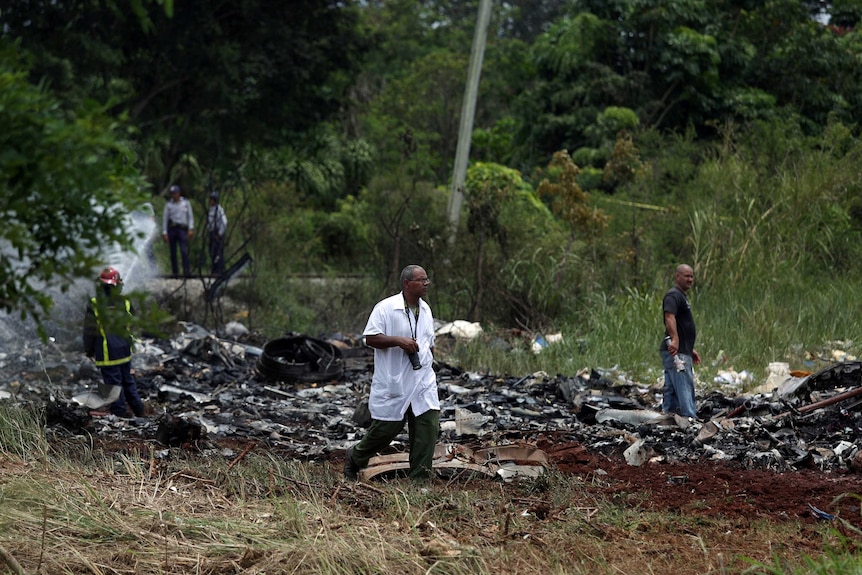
x=115, y=349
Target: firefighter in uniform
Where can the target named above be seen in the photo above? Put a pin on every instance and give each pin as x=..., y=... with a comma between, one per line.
x=108, y=340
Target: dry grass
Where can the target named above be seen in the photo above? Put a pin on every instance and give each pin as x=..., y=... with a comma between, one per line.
x=132, y=513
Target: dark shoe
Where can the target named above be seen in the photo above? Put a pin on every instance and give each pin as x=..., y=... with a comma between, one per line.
x=351, y=470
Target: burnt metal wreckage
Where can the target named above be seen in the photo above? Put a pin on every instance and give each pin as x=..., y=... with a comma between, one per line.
x=300, y=358
x=303, y=396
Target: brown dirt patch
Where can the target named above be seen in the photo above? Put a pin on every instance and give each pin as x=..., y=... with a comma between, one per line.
x=715, y=488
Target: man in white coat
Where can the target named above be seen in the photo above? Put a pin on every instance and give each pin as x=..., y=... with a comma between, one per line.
x=404, y=385
x=217, y=224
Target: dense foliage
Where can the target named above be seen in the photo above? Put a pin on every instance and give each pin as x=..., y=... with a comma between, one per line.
x=611, y=141
x=201, y=81
x=66, y=180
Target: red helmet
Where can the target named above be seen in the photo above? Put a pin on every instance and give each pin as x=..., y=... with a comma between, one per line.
x=111, y=277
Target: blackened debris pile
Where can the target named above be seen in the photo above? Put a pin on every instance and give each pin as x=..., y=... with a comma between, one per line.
x=300, y=358
x=299, y=395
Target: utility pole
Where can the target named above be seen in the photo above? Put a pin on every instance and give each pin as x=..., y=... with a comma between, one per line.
x=468, y=111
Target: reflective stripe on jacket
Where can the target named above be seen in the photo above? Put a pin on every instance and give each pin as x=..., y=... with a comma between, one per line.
x=115, y=349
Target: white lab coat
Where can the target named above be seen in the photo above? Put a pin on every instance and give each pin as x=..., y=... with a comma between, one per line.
x=395, y=385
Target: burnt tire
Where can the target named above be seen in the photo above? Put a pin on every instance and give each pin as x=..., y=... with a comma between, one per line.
x=300, y=359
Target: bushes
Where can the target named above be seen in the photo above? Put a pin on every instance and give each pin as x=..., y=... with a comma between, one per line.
x=66, y=184
x=750, y=219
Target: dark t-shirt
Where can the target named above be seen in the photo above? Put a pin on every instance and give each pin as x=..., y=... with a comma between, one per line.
x=676, y=303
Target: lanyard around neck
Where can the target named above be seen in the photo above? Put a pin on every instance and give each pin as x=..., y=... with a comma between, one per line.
x=409, y=318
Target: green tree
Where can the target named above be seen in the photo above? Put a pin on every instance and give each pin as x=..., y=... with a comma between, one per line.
x=487, y=188
x=626, y=170
x=684, y=63
x=66, y=181
x=807, y=69
x=204, y=80
x=569, y=202
x=427, y=104
x=574, y=81
x=415, y=75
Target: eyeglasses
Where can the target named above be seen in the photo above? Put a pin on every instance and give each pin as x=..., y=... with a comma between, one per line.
x=424, y=281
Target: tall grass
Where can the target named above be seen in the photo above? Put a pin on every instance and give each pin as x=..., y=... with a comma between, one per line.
x=22, y=432
x=266, y=515
x=840, y=557
x=771, y=226
x=744, y=326
x=782, y=320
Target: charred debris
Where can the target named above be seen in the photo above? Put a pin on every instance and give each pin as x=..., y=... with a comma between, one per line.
x=304, y=397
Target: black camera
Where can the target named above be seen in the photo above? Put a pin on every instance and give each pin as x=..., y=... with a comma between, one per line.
x=414, y=360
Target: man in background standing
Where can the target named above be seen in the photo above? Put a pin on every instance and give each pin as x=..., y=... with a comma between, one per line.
x=217, y=225
x=404, y=385
x=677, y=348
x=178, y=227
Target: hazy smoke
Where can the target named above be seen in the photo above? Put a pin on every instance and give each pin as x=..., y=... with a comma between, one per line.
x=64, y=323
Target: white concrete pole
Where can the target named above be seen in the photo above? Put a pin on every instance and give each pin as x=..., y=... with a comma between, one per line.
x=468, y=110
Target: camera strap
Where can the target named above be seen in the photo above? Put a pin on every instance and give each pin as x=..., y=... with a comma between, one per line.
x=410, y=321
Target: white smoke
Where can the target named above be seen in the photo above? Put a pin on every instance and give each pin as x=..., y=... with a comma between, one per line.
x=63, y=325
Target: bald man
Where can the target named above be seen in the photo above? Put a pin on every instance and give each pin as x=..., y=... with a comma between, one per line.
x=677, y=348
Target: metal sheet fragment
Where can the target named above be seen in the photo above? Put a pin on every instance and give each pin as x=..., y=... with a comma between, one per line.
x=507, y=462
x=634, y=416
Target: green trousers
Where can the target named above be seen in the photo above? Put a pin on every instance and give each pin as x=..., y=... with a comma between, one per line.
x=422, y=432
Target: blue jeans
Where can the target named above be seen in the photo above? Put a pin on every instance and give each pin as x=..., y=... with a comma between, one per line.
x=122, y=375
x=678, y=392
